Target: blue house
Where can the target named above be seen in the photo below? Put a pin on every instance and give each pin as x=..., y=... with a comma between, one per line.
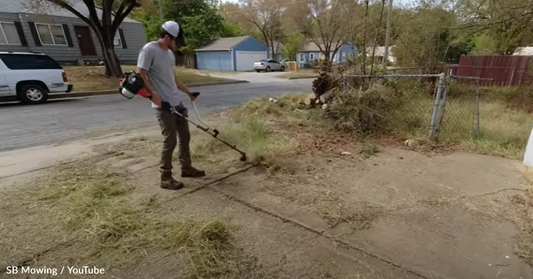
x=311, y=55
x=231, y=54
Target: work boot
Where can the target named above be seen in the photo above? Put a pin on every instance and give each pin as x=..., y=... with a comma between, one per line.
x=191, y=172
x=168, y=182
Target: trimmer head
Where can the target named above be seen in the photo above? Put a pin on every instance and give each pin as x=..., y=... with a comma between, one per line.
x=243, y=157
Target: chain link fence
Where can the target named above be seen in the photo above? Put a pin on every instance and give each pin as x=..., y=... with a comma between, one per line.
x=458, y=115
x=451, y=108
x=412, y=100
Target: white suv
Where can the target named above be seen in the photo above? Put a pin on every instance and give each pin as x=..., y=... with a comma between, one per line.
x=30, y=77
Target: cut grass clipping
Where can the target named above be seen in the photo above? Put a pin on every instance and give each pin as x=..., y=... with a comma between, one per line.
x=88, y=200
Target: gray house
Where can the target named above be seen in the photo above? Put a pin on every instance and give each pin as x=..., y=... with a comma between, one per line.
x=60, y=34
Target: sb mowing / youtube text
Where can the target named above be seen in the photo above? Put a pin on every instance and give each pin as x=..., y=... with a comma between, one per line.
x=71, y=270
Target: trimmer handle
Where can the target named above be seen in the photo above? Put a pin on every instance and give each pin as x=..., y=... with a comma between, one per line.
x=196, y=94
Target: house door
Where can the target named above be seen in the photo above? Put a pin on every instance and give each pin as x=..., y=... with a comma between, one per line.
x=85, y=41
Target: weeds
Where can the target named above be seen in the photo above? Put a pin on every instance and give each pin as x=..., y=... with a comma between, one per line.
x=251, y=134
x=370, y=150
x=88, y=200
x=403, y=109
x=517, y=98
x=524, y=204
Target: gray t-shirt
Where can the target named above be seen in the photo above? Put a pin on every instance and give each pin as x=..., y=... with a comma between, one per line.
x=160, y=65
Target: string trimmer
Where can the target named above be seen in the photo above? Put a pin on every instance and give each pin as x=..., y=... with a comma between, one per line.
x=133, y=85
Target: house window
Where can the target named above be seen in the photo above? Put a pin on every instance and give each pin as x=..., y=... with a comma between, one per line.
x=343, y=56
x=51, y=34
x=302, y=57
x=116, y=41
x=9, y=34
x=311, y=57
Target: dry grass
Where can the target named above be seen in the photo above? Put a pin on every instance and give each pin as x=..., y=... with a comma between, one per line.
x=89, y=201
x=524, y=205
x=261, y=145
x=404, y=110
x=92, y=78
x=300, y=74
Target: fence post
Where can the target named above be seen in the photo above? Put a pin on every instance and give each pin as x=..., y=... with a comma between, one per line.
x=344, y=82
x=443, y=107
x=477, y=106
x=440, y=88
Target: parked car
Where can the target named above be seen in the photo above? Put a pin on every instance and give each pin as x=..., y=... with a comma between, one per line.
x=30, y=77
x=268, y=65
x=284, y=62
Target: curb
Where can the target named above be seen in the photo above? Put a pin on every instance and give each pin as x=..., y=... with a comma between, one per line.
x=301, y=77
x=111, y=92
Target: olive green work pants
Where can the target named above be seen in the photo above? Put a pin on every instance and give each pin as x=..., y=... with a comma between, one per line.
x=173, y=127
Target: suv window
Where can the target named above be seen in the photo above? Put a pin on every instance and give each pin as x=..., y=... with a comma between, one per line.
x=29, y=62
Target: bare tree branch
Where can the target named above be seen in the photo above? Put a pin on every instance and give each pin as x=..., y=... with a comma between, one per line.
x=69, y=8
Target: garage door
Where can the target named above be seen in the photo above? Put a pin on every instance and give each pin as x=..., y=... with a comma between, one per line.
x=246, y=59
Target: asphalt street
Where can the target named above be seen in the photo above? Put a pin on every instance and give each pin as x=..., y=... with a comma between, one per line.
x=24, y=126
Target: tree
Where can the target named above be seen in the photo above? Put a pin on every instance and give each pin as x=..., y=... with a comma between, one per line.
x=319, y=21
x=152, y=24
x=427, y=37
x=267, y=16
x=232, y=30
x=292, y=44
x=200, y=19
x=499, y=26
x=233, y=15
x=113, y=12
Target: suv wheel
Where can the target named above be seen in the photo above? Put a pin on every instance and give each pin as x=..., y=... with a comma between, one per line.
x=32, y=94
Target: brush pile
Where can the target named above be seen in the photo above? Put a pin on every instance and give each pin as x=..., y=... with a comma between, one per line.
x=323, y=90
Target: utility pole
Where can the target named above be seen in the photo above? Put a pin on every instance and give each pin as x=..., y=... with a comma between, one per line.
x=387, y=36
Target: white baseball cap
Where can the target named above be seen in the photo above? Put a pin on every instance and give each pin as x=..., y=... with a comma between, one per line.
x=173, y=29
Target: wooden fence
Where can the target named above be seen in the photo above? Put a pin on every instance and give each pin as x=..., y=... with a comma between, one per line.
x=503, y=70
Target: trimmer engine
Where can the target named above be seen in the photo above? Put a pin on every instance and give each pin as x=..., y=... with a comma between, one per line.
x=132, y=85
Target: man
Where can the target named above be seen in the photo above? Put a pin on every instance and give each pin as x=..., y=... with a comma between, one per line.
x=156, y=65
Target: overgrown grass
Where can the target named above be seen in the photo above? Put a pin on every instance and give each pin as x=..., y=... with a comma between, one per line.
x=300, y=74
x=251, y=135
x=90, y=202
x=404, y=111
x=289, y=108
